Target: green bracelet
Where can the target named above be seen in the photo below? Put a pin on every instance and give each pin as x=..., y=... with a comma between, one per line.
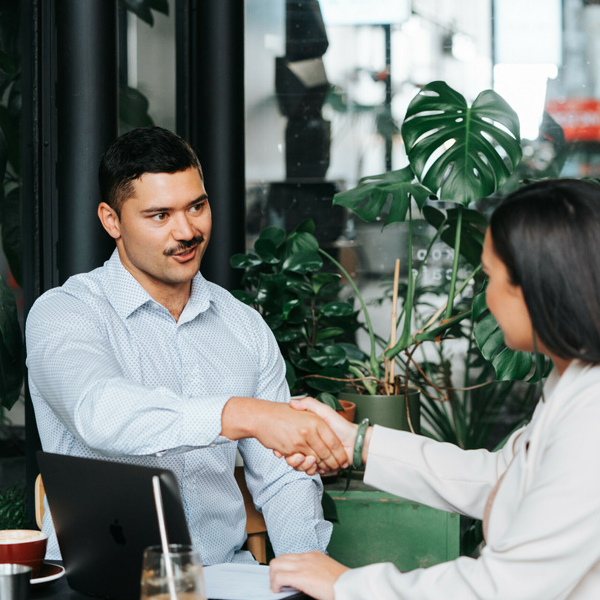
x=359, y=443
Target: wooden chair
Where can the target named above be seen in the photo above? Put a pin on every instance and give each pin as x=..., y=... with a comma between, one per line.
x=255, y=523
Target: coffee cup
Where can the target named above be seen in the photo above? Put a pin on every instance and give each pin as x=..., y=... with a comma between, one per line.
x=23, y=547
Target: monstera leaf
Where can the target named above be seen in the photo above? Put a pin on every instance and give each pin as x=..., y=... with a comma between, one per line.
x=472, y=232
x=369, y=198
x=510, y=365
x=461, y=153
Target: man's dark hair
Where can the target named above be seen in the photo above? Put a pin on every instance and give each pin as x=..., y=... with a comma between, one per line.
x=548, y=236
x=143, y=150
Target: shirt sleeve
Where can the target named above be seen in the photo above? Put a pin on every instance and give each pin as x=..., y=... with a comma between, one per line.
x=290, y=501
x=73, y=369
x=547, y=549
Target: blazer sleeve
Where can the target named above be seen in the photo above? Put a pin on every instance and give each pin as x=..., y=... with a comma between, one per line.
x=437, y=474
x=549, y=548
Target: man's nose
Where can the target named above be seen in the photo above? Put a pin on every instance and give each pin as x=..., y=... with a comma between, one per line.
x=182, y=228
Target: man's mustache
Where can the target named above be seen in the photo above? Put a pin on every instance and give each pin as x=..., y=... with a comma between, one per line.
x=184, y=245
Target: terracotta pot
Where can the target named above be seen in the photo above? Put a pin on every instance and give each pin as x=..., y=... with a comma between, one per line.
x=349, y=410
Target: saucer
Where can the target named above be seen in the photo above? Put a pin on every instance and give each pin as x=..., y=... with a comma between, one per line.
x=49, y=573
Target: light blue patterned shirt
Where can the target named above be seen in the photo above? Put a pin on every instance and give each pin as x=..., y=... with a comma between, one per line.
x=111, y=374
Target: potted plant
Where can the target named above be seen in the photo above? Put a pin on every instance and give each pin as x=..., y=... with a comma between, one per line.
x=284, y=279
x=457, y=155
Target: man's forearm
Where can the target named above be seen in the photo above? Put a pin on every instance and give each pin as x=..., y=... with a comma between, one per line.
x=278, y=427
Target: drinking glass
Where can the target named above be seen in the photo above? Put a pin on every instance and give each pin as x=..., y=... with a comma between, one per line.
x=187, y=582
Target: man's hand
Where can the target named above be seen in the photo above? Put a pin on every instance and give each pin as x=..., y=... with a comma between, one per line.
x=285, y=430
x=312, y=573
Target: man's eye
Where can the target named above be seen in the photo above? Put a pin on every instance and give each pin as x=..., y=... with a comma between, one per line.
x=159, y=217
x=197, y=207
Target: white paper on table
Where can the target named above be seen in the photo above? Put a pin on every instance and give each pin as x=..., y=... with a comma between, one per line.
x=234, y=581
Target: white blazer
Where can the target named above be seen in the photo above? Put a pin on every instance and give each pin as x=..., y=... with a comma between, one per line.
x=543, y=539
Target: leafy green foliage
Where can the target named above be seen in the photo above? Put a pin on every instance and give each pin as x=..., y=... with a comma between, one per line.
x=369, y=199
x=463, y=153
x=460, y=153
x=284, y=280
x=330, y=400
x=13, y=513
x=509, y=365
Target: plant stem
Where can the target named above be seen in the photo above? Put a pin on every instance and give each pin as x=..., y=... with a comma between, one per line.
x=369, y=385
x=452, y=292
x=373, y=355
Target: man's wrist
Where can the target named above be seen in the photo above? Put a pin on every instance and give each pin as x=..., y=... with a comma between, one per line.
x=237, y=418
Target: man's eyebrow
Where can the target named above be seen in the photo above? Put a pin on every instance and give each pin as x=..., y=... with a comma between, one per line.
x=160, y=209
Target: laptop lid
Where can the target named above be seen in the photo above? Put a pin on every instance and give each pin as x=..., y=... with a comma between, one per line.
x=104, y=516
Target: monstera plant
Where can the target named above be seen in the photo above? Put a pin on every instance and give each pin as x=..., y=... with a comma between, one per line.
x=457, y=155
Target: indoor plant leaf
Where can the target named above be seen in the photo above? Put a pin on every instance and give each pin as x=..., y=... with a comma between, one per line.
x=274, y=234
x=266, y=251
x=370, y=197
x=244, y=261
x=301, y=241
x=306, y=226
x=297, y=283
x=509, y=365
x=288, y=306
x=326, y=380
x=328, y=333
x=270, y=291
x=330, y=400
x=303, y=262
x=287, y=335
x=461, y=153
x=322, y=280
x=327, y=356
x=337, y=309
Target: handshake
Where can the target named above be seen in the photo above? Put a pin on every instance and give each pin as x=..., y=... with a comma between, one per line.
x=311, y=436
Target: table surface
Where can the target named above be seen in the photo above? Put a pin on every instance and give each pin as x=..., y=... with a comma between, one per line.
x=59, y=590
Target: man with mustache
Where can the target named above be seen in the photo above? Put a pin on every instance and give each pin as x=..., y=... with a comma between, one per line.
x=144, y=361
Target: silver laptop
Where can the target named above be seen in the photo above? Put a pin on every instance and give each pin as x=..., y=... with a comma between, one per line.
x=104, y=515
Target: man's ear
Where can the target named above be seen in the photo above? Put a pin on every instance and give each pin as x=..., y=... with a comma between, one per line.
x=110, y=220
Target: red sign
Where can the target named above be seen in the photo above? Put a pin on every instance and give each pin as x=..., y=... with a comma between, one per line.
x=579, y=118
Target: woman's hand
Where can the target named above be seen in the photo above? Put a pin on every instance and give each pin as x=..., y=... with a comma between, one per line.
x=343, y=429
x=313, y=573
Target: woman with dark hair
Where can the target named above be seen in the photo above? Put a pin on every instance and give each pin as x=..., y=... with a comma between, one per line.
x=539, y=496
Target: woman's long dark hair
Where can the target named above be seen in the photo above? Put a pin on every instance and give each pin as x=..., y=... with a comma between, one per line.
x=548, y=236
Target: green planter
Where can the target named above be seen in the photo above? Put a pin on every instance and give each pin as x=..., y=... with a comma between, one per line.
x=388, y=411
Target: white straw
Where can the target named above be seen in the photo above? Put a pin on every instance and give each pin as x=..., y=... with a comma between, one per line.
x=163, y=536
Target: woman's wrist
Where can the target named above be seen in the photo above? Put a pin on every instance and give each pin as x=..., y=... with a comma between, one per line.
x=359, y=441
x=365, y=449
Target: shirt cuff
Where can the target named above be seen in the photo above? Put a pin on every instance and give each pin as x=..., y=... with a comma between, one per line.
x=201, y=421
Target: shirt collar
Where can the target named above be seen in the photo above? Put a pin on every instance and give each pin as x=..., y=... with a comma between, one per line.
x=127, y=294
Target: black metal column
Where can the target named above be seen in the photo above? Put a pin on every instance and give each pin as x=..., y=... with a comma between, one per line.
x=210, y=104
x=69, y=117
x=87, y=94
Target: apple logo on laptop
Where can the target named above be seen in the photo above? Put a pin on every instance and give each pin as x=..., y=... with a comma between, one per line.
x=117, y=533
